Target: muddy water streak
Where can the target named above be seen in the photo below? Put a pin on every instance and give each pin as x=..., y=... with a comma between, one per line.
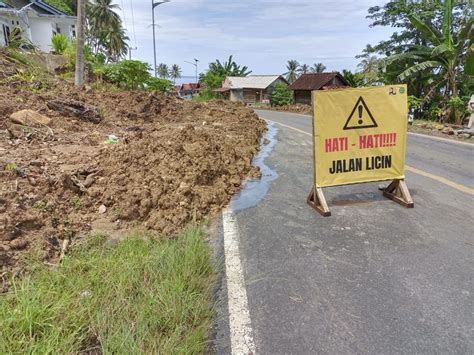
x=255, y=189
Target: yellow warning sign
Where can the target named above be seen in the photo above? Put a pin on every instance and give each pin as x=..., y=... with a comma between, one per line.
x=359, y=134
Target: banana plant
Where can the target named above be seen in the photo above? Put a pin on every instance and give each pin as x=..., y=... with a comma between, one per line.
x=447, y=51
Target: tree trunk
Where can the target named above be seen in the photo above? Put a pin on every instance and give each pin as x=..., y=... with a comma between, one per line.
x=81, y=17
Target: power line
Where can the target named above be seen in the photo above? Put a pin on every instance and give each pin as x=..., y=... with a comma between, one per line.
x=133, y=24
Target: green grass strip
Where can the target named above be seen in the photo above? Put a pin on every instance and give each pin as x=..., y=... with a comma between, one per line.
x=137, y=296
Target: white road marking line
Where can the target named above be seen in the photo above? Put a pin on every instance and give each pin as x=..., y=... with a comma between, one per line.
x=241, y=333
x=440, y=179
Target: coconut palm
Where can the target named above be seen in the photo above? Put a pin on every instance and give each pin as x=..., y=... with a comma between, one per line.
x=304, y=68
x=163, y=71
x=369, y=67
x=175, y=72
x=447, y=50
x=115, y=43
x=292, y=68
x=318, y=68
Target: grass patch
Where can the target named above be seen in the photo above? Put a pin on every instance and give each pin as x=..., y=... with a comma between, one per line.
x=138, y=296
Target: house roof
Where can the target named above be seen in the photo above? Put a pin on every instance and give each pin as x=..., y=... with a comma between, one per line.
x=252, y=81
x=39, y=6
x=315, y=81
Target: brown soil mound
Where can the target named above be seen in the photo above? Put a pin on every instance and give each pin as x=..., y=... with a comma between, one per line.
x=296, y=108
x=152, y=161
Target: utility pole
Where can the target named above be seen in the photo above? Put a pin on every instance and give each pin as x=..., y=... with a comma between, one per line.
x=81, y=20
x=130, y=49
x=195, y=67
x=153, y=5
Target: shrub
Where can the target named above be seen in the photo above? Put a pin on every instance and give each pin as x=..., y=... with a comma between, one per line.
x=59, y=43
x=158, y=84
x=281, y=95
x=130, y=74
x=207, y=95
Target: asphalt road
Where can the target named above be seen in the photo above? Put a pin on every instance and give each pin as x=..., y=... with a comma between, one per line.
x=374, y=278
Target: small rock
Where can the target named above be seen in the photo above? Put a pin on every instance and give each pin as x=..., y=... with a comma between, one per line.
x=102, y=209
x=37, y=163
x=464, y=135
x=448, y=130
x=30, y=118
x=266, y=141
x=18, y=244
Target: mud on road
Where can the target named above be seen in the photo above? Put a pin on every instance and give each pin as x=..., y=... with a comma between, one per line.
x=153, y=162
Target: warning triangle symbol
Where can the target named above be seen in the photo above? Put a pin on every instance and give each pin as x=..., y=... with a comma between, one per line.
x=360, y=117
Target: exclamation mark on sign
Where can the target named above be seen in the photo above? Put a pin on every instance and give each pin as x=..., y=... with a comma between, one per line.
x=384, y=140
x=394, y=140
x=360, y=108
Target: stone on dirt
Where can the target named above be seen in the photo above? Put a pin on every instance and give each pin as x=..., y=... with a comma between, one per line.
x=30, y=118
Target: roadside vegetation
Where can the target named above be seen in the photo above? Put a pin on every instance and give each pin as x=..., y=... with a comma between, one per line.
x=139, y=295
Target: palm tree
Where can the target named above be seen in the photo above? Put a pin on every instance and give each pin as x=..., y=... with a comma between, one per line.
x=292, y=74
x=105, y=32
x=445, y=51
x=318, y=68
x=175, y=72
x=304, y=68
x=369, y=67
x=163, y=71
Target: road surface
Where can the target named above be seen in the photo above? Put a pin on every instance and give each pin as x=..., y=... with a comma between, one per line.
x=374, y=278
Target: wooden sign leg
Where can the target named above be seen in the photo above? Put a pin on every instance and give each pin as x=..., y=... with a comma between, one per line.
x=398, y=191
x=317, y=200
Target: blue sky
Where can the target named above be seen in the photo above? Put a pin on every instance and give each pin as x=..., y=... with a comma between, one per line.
x=262, y=34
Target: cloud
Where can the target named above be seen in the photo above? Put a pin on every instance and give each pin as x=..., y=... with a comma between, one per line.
x=262, y=34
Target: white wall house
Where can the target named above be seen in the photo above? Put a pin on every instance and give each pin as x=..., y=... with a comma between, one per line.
x=38, y=20
x=251, y=89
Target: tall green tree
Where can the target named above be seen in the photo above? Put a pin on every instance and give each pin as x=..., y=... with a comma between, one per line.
x=163, y=71
x=446, y=50
x=175, y=72
x=292, y=68
x=105, y=31
x=318, y=68
x=369, y=68
x=304, y=69
x=354, y=79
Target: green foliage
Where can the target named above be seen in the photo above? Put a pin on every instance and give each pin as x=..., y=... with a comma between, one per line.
x=212, y=80
x=17, y=40
x=458, y=108
x=354, y=79
x=292, y=73
x=59, y=43
x=158, y=84
x=206, y=95
x=105, y=32
x=139, y=295
x=414, y=102
x=60, y=5
x=163, y=71
x=281, y=95
x=70, y=54
x=129, y=74
x=76, y=202
x=228, y=68
x=318, y=68
x=175, y=72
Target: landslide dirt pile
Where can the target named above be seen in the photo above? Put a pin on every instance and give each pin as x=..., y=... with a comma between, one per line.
x=151, y=161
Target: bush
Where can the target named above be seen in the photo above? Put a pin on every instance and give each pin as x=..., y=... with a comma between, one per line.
x=207, y=95
x=158, y=84
x=130, y=74
x=59, y=43
x=281, y=95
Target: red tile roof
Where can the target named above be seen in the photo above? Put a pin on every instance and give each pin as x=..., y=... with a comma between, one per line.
x=316, y=81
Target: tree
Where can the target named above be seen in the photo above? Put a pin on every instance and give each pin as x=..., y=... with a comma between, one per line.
x=444, y=50
x=318, y=68
x=281, y=95
x=292, y=68
x=105, y=32
x=354, y=79
x=175, y=72
x=369, y=67
x=304, y=68
x=162, y=71
x=228, y=68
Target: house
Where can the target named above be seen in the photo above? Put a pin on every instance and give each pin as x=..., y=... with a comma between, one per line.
x=187, y=91
x=306, y=83
x=38, y=20
x=251, y=89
